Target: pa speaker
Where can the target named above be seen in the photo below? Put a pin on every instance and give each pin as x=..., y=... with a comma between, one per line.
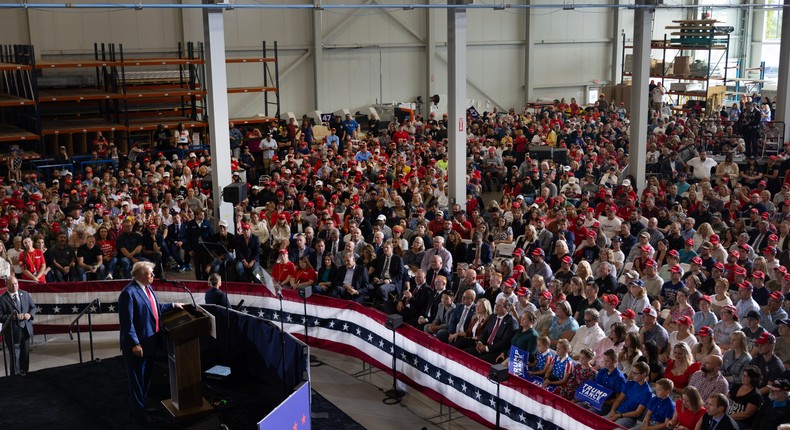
x=560, y=156
x=394, y=321
x=306, y=292
x=540, y=153
x=498, y=373
x=234, y=193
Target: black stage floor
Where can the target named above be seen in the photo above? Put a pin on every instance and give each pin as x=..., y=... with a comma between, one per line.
x=95, y=396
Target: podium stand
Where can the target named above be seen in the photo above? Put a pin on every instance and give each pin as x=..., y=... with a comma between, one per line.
x=183, y=329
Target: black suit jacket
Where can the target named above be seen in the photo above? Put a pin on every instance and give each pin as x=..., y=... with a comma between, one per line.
x=726, y=423
x=359, y=281
x=248, y=250
x=455, y=317
x=486, y=255
x=503, y=336
x=215, y=296
x=396, y=269
x=177, y=234
x=27, y=306
x=763, y=241
x=293, y=255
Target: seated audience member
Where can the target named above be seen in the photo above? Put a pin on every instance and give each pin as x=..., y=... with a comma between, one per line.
x=652, y=331
x=460, y=318
x=717, y=418
x=726, y=326
x=589, y=335
x=325, y=276
x=283, y=268
x=559, y=370
x=303, y=275
x=615, y=340
x=543, y=357
x=582, y=372
x=706, y=346
x=688, y=410
x=745, y=400
x=387, y=274
x=611, y=377
x=248, y=253
x=496, y=335
x=708, y=379
x=562, y=326
x=770, y=366
x=735, y=359
x=443, y=312
x=630, y=404
x=630, y=353
x=704, y=317
x=351, y=280
x=469, y=337
x=660, y=409
x=525, y=339
x=775, y=411
x=681, y=366
x=653, y=359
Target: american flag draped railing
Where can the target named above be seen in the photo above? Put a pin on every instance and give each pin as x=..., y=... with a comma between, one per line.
x=439, y=371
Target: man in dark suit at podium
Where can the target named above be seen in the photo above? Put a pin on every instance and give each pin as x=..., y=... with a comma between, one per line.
x=139, y=312
x=497, y=334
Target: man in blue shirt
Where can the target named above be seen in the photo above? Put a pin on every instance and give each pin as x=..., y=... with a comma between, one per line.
x=350, y=126
x=631, y=403
x=610, y=377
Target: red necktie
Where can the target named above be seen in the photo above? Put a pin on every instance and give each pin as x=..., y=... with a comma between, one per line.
x=153, y=308
x=493, y=332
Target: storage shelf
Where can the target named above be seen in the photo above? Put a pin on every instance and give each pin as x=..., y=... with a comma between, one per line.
x=252, y=120
x=688, y=93
x=150, y=124
x=12, y=66
x=683, y=78
x=10, y=133
x=7, y=100
x=75, y=95
x=136, y=62
x=242, y=90
x=80, y=125
x=250, y=60
x=163, y=93
x=75, y=64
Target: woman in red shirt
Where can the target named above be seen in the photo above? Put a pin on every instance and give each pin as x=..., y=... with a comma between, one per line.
x=682, y=366
x=283, y=268
x=32, y=262
x=304, y=275
x=688, y=410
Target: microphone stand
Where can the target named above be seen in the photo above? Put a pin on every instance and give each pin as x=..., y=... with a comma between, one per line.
x=282, y=338
x=180, y=284
x=225, y=250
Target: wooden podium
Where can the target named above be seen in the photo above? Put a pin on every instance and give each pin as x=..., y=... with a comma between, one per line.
x=183, y=329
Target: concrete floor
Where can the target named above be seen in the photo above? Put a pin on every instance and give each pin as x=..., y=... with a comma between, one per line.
x=359, y=397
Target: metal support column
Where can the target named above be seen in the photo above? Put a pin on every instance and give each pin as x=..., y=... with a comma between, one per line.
x=430, y=61
x=456, y=94
x=637, y=156
x=318, y=57
x=529, y=53
x=218, y=117
x=783, y=83
x=617, y=44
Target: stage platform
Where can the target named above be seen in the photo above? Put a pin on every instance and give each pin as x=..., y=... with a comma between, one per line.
x=95, y=396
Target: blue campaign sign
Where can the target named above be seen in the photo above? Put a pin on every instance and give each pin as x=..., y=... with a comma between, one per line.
x=593, y=394
x=517, y=363
x=473, y=112
x=326, y=118
x=293, y=413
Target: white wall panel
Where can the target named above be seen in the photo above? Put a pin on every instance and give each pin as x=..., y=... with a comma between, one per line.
x=14, y=27
x=75, y=31
x=247, y=28
x=561, y=65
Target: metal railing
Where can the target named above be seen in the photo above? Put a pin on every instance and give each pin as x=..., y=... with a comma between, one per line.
x=90, y=309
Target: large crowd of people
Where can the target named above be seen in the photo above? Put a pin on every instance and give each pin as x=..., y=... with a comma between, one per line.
x=674, y=295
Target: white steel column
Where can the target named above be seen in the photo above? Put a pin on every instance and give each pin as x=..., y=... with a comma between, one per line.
x=217, y=86
x=430, y=62
x=617, y=44
x=529, y=53
x=318, y=57
x=637, y=156
x=456, y=94
x=783, y=83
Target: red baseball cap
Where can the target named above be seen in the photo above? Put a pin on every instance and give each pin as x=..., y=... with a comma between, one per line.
x=705, y=331
x=684, y=320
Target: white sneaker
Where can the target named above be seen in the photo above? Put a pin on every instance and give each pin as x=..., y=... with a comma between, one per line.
x=108, y=277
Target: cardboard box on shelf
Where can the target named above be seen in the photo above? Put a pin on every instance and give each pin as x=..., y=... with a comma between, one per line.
x=682, y=65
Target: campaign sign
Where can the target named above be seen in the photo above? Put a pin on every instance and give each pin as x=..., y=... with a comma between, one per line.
x=593, y=394
x=326, y=118
x=537, y=380
x=473, y=112
x=517, y=363
x=293, y=413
